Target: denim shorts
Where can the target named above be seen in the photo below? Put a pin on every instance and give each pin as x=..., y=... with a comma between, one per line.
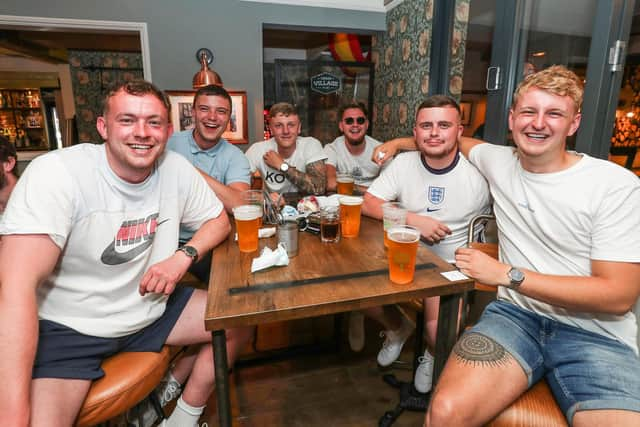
x=585, y=370
x=64, y=352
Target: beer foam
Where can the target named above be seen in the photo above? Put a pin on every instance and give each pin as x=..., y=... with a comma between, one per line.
x=350, y=201
x=403, y=234
x=346, y=179
x=247, y=212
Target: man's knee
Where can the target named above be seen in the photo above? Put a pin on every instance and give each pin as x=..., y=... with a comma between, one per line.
x=447, y=409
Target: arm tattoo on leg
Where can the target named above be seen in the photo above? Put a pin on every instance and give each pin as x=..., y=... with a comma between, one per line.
x=477, y=349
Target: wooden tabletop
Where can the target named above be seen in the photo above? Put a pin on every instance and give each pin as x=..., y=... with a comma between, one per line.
x=322, y=279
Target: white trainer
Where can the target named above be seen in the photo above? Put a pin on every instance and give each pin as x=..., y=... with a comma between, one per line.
x=424, y=373
x=356, y=331
x=394, y=341
x=168, y=390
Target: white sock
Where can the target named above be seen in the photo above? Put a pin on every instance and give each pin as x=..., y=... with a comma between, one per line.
x=184, y=415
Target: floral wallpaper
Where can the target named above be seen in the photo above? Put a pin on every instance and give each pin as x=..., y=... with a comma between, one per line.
x=401, y=58
x=92, y=73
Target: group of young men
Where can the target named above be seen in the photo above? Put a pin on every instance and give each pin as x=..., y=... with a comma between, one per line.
x=116, y=226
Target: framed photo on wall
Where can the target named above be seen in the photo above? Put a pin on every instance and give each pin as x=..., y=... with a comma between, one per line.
x=182, y=115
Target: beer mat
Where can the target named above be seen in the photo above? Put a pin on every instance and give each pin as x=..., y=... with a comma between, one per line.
x=317, y=280
x=454, y=275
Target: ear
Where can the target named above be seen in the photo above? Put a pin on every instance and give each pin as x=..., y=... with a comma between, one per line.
x=460, y=131
x=415, y=137
x=9, y=164
x=511, y=119
x=340, y=126
x=101, y=125
x=575, y=124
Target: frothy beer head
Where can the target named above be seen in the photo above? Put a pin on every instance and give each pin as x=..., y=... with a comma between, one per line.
x=247, y=212
x=403, y=234
x=350, y=201
x=344, y=179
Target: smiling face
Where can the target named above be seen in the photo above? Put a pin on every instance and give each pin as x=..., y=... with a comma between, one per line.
x=211, y=115
x=135, y=130
x=436, y=132
x=354, y=125
x=285, y=129
x=541, y=122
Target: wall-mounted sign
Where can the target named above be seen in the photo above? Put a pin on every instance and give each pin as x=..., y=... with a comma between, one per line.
x=325, y=83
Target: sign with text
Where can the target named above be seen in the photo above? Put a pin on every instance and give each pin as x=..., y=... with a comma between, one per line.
x=325, y=83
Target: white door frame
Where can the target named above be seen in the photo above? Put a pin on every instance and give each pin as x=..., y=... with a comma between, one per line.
x=62, y=24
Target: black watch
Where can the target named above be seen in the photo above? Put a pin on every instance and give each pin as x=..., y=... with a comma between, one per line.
x=516, y=277
x=190, y=251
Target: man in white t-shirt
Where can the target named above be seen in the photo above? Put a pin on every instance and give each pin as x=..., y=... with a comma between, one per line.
x=442, y=192
x=288, y=162
x=89, y=263
x=568, y=275
x=351, y=152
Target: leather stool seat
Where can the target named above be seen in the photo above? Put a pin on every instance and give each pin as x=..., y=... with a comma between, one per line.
x=129, y=378
x=535, y=408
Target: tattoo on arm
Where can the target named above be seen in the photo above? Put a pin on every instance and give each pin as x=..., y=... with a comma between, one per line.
x=311, y=182
x=477, y=349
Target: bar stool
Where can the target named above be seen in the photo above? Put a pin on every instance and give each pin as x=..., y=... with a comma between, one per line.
x=129, y=378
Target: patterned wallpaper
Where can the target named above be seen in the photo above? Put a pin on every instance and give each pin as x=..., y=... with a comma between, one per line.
x=401, y=58
x=92, y=73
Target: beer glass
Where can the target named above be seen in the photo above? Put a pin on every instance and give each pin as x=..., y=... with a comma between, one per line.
x=330, y=224
x=392, y=214
x=247, y=219
x=350, y=215
x=403, y=248
x=254, y=197
x=345, y=183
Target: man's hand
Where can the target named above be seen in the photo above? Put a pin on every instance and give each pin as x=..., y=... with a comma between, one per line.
x=386, y=151
x=482, y=267
x=273, y=159
x=431, y=229
x=163, y=276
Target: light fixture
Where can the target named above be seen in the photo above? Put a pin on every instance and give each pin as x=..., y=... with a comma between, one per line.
x=539, y=54
x=630, y=114
x=205, y=76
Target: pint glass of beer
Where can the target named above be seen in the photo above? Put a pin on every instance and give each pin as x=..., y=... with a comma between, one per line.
x=350, y=215
x=403, y=247
x=255, y=197
x=392, y=214
x=345, y=183
x=247, y=224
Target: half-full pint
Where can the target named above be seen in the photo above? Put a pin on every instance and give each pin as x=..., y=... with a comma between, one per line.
x=345, y=183
x=403, y=247
x=392, y=214
x=247, y=224
x=350, y=215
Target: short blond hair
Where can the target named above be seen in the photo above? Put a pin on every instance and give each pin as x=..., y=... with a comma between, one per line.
x=557, y=80
x=283, y=108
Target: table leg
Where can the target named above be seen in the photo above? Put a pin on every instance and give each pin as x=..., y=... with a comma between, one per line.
x=222, y=377
x=447, y=332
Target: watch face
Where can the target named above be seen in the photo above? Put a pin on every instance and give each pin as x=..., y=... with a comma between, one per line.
x=516, y=276
x=190, y=251
x=284, y=167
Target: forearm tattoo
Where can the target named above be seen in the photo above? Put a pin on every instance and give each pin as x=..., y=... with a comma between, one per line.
x=477, y=349
x=314, y=181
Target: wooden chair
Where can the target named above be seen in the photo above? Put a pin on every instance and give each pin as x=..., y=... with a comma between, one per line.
x=536, y=407
x=129, y=378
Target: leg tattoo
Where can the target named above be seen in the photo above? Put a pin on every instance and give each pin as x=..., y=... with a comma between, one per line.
x=477, y=349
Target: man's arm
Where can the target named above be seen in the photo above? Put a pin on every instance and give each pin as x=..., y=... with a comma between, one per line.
x=332, y=184
x=387, y=150
x=466, y=144
x=19, y=317
x=230, y=195
x=372, y=206
x=163, y=276
x=311, y=182
x=612, y=288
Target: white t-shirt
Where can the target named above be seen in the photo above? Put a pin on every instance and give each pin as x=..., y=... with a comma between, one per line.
x=556, y=223
x=360, y=166
x=308, y=150
x=110, y=232
x=454, y=195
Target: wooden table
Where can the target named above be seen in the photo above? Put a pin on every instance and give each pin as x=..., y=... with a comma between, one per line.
x=322, y=279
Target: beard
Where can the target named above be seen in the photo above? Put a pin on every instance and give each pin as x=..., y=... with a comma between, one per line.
x=353, y=141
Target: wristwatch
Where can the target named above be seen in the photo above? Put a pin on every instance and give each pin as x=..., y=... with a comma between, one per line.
x=516, y=277
x=190, y=251
x=284, y=167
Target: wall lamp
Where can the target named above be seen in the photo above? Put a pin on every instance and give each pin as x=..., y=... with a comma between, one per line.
x=205, y=76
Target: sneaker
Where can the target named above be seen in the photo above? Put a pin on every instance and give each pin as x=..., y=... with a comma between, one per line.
x=356, y=331
x=167, y=390
x=424, y=373
x=394, y=341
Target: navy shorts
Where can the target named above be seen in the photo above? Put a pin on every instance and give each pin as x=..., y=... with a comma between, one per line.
x=585, y=370
x=66, y=353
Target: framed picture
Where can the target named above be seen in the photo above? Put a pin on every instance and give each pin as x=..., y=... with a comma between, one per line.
x=465, y=109
x=182, y=115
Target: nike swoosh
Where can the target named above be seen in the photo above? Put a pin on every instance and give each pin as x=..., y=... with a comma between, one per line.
x=433, y=210
x=111, y=257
